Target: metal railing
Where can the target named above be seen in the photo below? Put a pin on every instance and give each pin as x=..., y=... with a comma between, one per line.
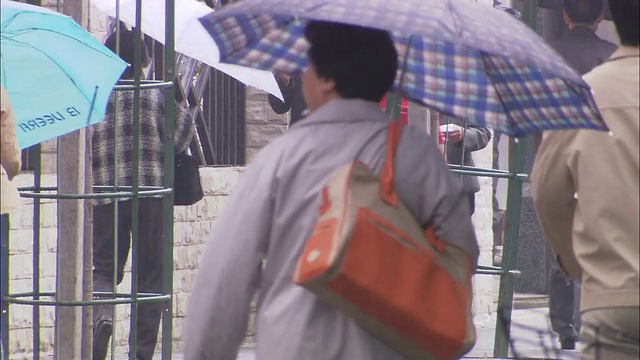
x=38, y=298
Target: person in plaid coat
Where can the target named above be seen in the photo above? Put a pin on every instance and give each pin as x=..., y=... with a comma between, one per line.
x=113, y=160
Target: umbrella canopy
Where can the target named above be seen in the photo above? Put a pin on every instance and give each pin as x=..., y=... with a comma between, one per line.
x=192, y=39
x=48, y=66
x=461, y=58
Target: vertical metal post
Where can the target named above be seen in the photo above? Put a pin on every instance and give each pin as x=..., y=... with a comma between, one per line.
x=4, y=285
x=71, y=217
x=510, y=250
x=169, y=153
x=68, y=323
x=135, y=184
x=87, y=254
x=37, y=181
x=393, y=105
x=517, y=149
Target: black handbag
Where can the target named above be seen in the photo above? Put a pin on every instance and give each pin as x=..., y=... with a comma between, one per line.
x=187, y=188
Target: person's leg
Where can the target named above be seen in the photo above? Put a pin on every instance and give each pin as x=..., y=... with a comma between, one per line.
x=610, y=334
x=561, y=307
x=104, y=260
x=150, y=250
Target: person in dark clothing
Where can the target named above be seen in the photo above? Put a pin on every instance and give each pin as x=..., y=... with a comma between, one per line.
x=583, y=50
x=113, y=154
x=580, y=46
x=461, y=139
x=291, y=88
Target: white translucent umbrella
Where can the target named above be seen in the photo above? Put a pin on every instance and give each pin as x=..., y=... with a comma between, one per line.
x=191, y=40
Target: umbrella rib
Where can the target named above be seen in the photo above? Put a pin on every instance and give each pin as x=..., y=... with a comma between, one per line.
x=511, y=122
x=454, y=20
x=406, y=60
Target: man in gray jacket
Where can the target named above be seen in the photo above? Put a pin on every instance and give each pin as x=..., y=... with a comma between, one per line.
x=461, y=139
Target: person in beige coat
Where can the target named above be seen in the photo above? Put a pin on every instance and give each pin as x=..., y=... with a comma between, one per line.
x=10, y=154
x=585, y=191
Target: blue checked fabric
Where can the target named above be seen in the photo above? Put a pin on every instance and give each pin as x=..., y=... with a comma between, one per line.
x=458, y=57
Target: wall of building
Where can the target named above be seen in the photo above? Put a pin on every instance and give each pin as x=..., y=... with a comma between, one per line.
x=263, y=125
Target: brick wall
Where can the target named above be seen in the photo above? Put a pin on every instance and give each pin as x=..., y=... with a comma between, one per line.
x=263, y=125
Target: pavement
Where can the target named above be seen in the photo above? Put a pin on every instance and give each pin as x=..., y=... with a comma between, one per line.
x=531, y=338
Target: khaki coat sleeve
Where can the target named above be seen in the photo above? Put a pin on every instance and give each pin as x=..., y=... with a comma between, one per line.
x=554, y=197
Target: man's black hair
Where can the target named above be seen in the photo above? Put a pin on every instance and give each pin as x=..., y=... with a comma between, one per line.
x=626, y=17
x=584, y=11
x=127, y=50
x=362, y=61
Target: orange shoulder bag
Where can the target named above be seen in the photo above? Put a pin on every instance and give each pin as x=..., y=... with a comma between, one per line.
x=369, y=257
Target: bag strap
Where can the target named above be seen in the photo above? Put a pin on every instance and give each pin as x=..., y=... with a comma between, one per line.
x=387, y=191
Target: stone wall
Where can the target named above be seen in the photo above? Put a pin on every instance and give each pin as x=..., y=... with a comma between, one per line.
x=263, y=125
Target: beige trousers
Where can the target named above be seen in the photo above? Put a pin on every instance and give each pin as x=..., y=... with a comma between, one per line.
x=610, y=334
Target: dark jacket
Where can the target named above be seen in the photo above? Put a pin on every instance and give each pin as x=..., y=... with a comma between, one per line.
x=583, y=49
x=293, y=99
x=459, y=153
x=105, y=150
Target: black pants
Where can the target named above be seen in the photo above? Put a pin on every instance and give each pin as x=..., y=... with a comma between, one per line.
x=150, y=251
x=564, y=301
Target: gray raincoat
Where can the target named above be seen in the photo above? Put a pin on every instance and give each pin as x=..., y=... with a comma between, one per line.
x=270, y=214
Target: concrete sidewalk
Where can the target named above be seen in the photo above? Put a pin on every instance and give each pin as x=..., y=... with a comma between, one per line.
x=532, y=338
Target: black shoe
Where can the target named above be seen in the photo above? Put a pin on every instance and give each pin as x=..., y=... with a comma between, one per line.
x=101, y=334
x=568, y=343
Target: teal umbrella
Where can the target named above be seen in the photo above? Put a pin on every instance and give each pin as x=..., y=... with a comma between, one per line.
x=58, y=77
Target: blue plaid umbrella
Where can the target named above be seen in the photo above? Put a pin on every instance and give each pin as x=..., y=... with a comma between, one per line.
x=458, y=57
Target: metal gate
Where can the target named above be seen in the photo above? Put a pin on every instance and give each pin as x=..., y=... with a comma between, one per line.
x=37, y=298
